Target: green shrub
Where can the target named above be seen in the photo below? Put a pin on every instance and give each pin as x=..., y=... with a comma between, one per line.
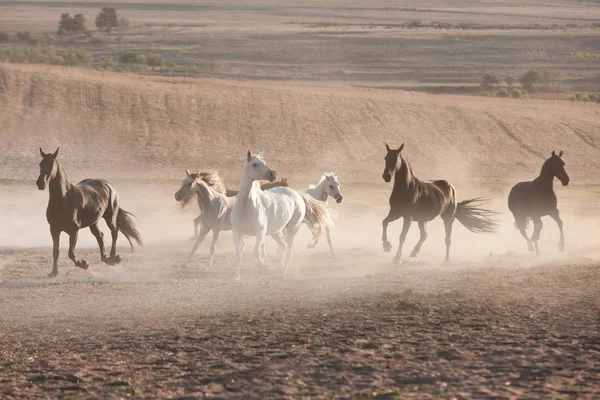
x=49, y=39
x=156, y=60
x=70, y=57
x=592, y=97
x=488, y=81
x=516, y=94
x=171, y=64
x=141, y=59
x=4, y=37
x=29, y=38
x=573, y=98
x=107, y=62
x=502, y=92
x=129, y=58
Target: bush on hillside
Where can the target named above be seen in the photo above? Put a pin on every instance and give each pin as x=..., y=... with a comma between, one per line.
x=68, y=24
x=502, y=92
x=27, y=55
x=533, y=79
x=107, y=62
x=156, y=60
x=4, y=37
x=29, y=38
x=488, y=81
x=131, y=57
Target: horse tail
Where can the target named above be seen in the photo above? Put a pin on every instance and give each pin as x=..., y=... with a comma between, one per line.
x=474, y=217
x=317, y=214
x=127, y=227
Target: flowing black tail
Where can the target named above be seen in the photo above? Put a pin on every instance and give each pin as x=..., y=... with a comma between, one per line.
x=476, y=218
x=127, y=227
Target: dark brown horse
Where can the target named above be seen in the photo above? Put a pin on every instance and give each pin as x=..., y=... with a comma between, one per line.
x=73, y=207
x=536, y=199
x=419, y=201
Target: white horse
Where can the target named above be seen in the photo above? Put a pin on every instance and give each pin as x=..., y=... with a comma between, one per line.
x=270, y=213
x=216, y=207
x=327, y=186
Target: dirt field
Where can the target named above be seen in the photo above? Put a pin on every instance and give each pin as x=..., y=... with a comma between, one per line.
x=495, y=322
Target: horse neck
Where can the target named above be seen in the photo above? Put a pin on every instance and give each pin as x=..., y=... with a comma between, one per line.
x=246, y=190
x=205, y=195
x=404, y=177
x=319, y=191
x=59, y=185
x=546, y=178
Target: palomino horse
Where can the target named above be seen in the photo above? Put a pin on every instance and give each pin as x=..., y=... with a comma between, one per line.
x=270, y=213
x=535, y=199
x=415, y=200
x=327, y=186
x=215, y=206
x=213, y=180
x=73, y=207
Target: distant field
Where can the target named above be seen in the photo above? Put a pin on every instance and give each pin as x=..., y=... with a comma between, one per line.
x=402, y=46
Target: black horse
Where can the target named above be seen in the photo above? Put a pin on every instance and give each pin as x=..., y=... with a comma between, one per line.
x=536, y=199
x=420, y=201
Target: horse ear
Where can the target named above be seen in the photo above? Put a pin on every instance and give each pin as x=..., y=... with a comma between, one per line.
x=249, y=155
x=187, y=172
x=56, y=152
x=560, y=154
x=553, y=153
x=42, y=152
x=401, y=147
x=387, y=147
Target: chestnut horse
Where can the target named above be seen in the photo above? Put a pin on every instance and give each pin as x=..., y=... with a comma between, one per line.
x=420, y=201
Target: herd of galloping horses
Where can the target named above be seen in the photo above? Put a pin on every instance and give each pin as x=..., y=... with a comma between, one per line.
x=274, y=209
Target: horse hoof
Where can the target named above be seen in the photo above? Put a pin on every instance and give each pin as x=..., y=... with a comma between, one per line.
x=397, y=261
x=413, y=254
x=238, y=278
x=83, y=264
x=387, y=247
x=561, y=247
x=52, y=274
x=116, y=260
x=530, y=248
x=333, y=256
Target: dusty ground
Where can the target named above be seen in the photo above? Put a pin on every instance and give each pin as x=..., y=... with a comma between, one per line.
x=494, y=322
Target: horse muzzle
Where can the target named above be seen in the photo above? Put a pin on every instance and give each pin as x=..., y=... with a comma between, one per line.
x=565, y=182
x=339, y=199
x=273, y=176
x=386, y=176
x=41, y=182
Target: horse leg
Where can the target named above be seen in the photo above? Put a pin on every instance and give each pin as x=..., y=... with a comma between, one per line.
x=238, y=243
x=278, y=237
x=197, y=221
x=423, y=229
x=55, y=250
x=315, y=240
x=100, y=239
x=328, y=232
x=555, y=215
x=213, y=247
x=111, y=222
x=405, y=228
x=259, y=248
x=537, y=229
x=448, y=227
x=81, y=263
x=203, y=232
x=392, y=216
x=291, y=234
x=521, y=224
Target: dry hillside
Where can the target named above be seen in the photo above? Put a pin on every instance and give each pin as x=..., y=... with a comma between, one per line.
x=157, y=126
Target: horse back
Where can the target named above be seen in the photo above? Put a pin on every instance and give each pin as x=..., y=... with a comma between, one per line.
x=527, y=199
x=95, y=197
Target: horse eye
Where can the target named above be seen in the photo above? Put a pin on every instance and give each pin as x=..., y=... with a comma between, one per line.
x=330, y=186
x=255, y=164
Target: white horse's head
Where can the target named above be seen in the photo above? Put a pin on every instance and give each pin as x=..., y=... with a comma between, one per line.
x=257, y=169
x=187, y=186
x=332, y=186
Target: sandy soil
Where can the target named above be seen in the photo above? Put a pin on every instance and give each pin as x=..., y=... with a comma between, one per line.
x=496, y=322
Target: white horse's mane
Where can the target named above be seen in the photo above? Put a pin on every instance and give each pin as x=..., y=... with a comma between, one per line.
x=327, y=175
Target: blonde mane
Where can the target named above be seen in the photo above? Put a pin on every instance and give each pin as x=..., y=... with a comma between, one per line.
x=211, y=178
